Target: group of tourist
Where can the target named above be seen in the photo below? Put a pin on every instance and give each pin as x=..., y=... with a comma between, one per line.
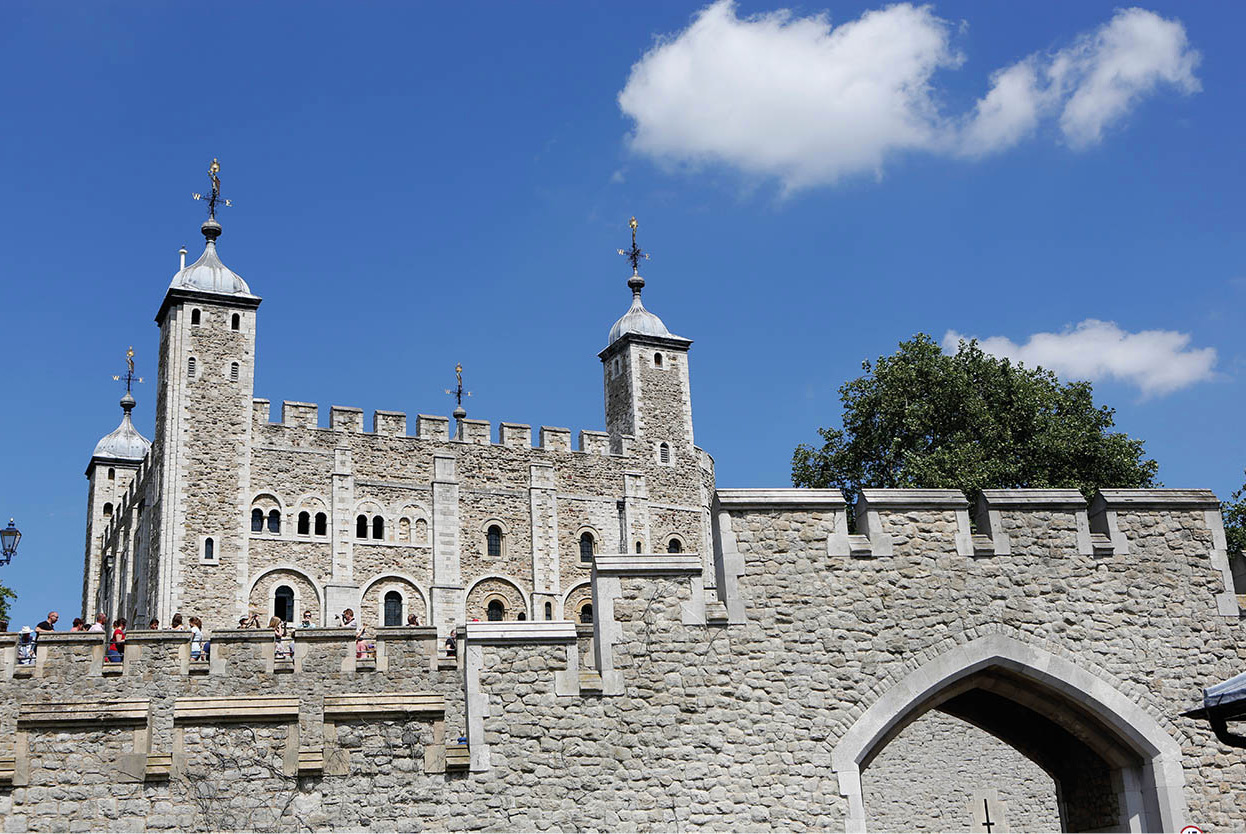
x=200, y=648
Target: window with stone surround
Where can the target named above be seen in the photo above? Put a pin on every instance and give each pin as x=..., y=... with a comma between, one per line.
x=585, y=614
x=587, y=547
x=112, y=474
x=209, y=549
x=664, y=453
x=322, y=524
x=657, y=360
x=549, y=610
x=495, y=611
x=233, y=371
x=361, y=527
x=393, y=608
x=190, y=367
x=378, y=527
x=404, y=530
x=257, y=520
x=107, y=509
x=304, y=527
x=274, y=521
x=194, y=318
x=235, y=321
x=283, y=603
x=493, y=546
x=674, y=545
x=640, y=546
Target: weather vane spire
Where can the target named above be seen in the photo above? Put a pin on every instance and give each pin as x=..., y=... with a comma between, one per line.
x=458, y=393
x=130, y=377
x=214, y=198
x=635, y=254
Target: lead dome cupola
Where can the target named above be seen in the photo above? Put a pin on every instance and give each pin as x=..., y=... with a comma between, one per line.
x=209, y=274
x=123, y=442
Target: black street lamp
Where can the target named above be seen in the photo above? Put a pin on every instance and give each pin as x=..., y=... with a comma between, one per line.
x=9, y=537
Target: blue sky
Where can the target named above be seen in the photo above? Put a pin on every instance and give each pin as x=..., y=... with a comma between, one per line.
x=418, y=185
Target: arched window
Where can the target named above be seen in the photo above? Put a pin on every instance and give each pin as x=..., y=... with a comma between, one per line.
x=209, y=549
x=494, y=542
x=522, y=616
x=586, y=546
x=108, y=509
x=393, y=608
x=549, y=610
x=361, y=527
x=190, y=367
x=664, y=453
x=378, y=527
x=194, y=317
x=283, y=603
x=638, y=546
x=404, y=529
x=421, y=531
x=674, y=546
x=257, y=520
x=304, y=523
x=235, y=321
x=322, y=524
x=112, y=474
x=496, y=611
x=586, y=613
x=657, y=360
x=274, y=521
x=233, y=371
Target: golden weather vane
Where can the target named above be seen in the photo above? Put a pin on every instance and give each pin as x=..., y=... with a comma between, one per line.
x=458, y=393
x=129, y=377
x=635, y=255
x=214, y=198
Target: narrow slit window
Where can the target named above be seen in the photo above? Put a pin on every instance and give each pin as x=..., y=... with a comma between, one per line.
x=233, y=371
x=194, y=318
x=304, y=523
x=586, y=547
x=190, y=367
x=112, y=474
x=638, y=547
x=209, y=549
x=549, y=610
x=664, y=453
x=235, y=322
x=657, y=360
x=378, y=527
x=493, y=542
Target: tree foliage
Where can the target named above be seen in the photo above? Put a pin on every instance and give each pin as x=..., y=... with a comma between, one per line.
x=1235, y=521
x=5, y=596
x=969, y=421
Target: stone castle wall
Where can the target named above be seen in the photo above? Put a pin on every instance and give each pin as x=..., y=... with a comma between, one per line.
x=766, y=701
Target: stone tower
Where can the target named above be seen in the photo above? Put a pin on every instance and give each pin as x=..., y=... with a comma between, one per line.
x=648, y=396
x=203, y=434
x=114, y=463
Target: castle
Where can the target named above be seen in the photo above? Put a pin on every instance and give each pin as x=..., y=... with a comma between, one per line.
x=653, y=653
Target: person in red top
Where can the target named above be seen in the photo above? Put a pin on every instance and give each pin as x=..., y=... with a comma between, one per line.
x=117, y=646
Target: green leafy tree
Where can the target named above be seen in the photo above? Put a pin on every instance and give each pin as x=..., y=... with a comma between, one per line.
x=1235, y=521
x=5, y=596
x=969, y=421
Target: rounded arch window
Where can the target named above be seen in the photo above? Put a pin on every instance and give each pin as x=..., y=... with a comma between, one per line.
x=304, y=527
x=235, y=321
x=664, y=453
x=190, y=367
x=107, y=509
x=257, y=520
x=674, y=546
x=404, y=529
x=493, y=542
x=274, y=521
x=586, y=613
x=639, y=546
x=549, y=610
x=361, y=527
x=586, y=547
x=322, y=524
x=393, y=608
x=495, y=611
x=112, y=474
x=378, y=527
x=283, y=603
x=657, y=360
x=209, y=549
x=194, y=317
x=233, y=371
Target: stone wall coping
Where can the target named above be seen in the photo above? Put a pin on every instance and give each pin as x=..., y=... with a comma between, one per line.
x=162, y=636
x=239, y=635
x=87, y=637
x=408, y=632
x=924, y=499
x=94, y=712
x=297, y=402
x=470, y=421
x=1155, y=499
x=390, y=413
x=346, y=408
x=647, y=564
x=548, y=631
x=781, y=498
x=1064, y=499
x=383, y=704
x=305, y=634
x=272, y=707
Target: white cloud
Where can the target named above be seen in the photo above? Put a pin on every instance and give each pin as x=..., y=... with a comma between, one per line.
x=806, y=102
x=1156, y=361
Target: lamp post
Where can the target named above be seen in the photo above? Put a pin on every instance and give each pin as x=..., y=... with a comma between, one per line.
x=9, y=537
